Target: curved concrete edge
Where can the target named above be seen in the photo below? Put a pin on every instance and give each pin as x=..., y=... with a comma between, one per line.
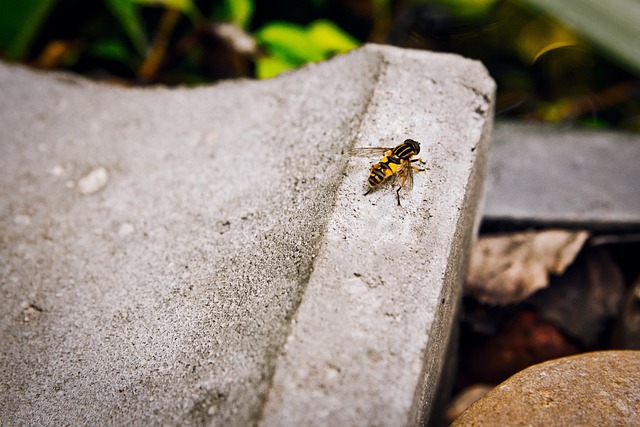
x=157, y=243
x=368, y=342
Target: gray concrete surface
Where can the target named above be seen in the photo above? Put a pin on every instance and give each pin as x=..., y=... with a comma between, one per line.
x=206, y=256
x=546, y=175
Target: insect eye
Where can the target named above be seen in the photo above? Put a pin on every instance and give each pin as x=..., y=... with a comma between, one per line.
x=415, y=145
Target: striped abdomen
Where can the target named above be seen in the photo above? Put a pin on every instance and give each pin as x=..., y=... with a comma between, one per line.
x=387, y=166
x=392, y=160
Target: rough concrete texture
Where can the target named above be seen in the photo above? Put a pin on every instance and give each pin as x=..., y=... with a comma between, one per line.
x=547, y=175
x=590, y=389
x=159, y=247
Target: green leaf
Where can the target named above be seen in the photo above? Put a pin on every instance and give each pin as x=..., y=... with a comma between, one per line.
x=20, y=21
x=611, y=25
x=271, y=66
x=182, y=5
x=290, y=45
x=289, y=41
x=238, y=12
x=330, y=38
x=127, y=13
x=114, y=50
x=185, y=6
x=470, y=9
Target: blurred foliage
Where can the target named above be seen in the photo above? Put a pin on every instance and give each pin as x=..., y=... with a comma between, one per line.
x=545, y=70
x=542, y=62
x=19, y=23
x=614, y=25
x=237, y=12
x=290, y=45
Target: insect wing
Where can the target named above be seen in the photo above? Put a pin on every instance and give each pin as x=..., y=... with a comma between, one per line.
x=405, y=175
x=369, y=151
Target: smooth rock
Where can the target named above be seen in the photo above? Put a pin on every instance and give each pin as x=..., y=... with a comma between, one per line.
x=594, y=389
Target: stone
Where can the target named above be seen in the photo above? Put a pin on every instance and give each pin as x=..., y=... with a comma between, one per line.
x=206, y=255
x=544, y=175
x=598, y=388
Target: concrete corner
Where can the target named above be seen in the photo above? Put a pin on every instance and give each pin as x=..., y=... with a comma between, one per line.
x=207, y=257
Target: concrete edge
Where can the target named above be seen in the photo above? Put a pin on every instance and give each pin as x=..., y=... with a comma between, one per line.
x=466, y=231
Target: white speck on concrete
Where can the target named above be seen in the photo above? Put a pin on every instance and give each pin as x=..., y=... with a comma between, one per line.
x=22, y=219
x=93, y=181
x=126, y=229
x=57, y=170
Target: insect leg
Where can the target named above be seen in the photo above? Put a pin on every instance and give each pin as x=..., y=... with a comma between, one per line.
x=398, y=194
x=417, y=168
x=368, y=191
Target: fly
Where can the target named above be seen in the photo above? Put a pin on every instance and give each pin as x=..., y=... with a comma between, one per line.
x=396, y=163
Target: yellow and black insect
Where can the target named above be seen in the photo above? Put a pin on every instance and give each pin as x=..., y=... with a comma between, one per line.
x=396, y=163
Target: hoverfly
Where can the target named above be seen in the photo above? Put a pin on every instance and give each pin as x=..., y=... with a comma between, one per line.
x=396, y=162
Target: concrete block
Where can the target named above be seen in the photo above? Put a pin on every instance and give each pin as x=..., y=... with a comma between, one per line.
x=545, y=175
x=207, y=257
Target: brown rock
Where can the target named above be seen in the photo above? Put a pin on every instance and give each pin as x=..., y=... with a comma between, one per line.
x=466, y=398
x=599, y=388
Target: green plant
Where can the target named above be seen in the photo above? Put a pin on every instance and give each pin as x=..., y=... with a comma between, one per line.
x=20, y=21
x=290, y=46
x=612, y=25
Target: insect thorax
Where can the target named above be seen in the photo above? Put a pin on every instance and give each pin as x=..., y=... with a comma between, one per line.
x=407, y=149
